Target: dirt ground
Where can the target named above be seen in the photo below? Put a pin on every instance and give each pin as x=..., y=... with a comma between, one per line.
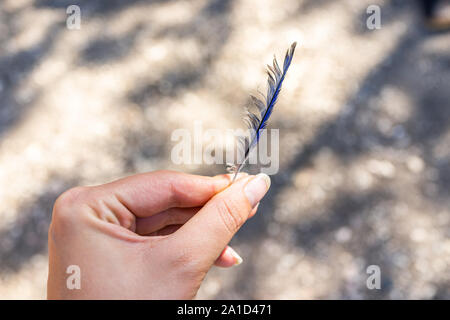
x=364, y=119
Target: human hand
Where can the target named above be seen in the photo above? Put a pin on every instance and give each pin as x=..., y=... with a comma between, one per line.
x=148, y=236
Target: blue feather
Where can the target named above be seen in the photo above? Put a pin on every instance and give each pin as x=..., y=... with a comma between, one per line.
x=257, y=123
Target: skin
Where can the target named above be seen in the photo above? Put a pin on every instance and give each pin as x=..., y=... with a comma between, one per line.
x=148, y=236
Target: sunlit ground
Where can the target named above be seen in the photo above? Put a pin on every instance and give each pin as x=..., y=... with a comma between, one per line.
x=364, y=121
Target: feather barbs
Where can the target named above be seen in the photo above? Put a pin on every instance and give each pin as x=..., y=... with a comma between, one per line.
x=257, y=122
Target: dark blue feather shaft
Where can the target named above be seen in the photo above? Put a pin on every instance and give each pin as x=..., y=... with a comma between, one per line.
x=257, y=123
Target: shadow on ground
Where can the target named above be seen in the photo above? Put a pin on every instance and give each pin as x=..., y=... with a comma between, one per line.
x=348, y=136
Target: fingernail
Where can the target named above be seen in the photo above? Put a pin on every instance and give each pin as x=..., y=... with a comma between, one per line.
x=257, y=188
x=237, y=258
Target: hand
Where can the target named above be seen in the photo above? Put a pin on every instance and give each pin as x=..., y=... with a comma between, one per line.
x=148, y=236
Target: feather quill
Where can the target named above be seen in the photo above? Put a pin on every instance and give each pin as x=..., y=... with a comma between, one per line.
x=258, y=122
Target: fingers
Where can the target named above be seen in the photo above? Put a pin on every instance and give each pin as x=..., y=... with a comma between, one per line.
x=150, y=193
x=206, y=234
x=228, y=258
x=166, y=230
x=150, y=226
x=172, y=216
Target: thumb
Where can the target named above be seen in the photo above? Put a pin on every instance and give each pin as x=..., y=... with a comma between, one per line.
x=207, y=233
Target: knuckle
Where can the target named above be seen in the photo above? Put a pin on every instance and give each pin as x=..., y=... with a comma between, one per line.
x=230, y=214
x=176, y=193
x=66, y=203
x=65, y=211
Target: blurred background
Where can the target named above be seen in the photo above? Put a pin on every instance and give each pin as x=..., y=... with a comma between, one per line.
x=364, y=119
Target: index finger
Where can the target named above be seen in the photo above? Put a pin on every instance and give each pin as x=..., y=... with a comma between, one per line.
x=150, y=193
